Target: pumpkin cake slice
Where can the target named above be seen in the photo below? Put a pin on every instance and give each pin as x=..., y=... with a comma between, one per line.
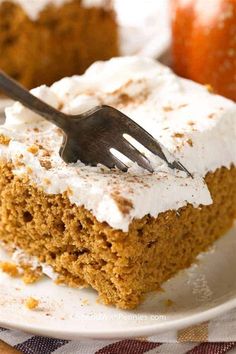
x=123, y=234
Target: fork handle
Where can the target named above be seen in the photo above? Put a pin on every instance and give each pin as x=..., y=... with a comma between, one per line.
x=17, y=92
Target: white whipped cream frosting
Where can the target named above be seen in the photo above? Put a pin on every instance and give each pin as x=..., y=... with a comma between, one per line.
x=197, y=127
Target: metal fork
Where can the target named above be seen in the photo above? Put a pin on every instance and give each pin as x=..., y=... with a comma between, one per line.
x=89, y=137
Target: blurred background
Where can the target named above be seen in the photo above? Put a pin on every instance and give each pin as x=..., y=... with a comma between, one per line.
x=42, y=41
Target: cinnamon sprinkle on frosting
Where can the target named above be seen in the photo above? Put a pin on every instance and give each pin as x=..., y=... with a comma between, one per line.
x=139, y=87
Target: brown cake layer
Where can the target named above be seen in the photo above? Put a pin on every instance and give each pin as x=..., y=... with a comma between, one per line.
x=120, y=266
x=63, y=41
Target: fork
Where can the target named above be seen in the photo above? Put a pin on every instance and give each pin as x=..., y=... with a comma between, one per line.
x=90, y=136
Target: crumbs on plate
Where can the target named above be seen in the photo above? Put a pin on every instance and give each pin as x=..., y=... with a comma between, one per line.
x=10, y=268
x=31, y=303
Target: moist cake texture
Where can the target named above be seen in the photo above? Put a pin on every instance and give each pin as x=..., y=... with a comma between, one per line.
x=42, y=41
x=124, y=234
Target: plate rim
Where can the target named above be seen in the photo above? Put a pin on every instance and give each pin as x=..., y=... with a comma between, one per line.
x=146, y=330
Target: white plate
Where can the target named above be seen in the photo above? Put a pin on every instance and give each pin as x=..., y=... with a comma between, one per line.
x=200, y=293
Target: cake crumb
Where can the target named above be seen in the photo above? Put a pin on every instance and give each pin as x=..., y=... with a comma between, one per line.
x=10, y=268
x=4, y=140
x=31, y=303
x=31, y=276
x=33, y=149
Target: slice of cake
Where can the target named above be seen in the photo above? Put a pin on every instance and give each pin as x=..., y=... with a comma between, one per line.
x=124, y=234
x=44, y=40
